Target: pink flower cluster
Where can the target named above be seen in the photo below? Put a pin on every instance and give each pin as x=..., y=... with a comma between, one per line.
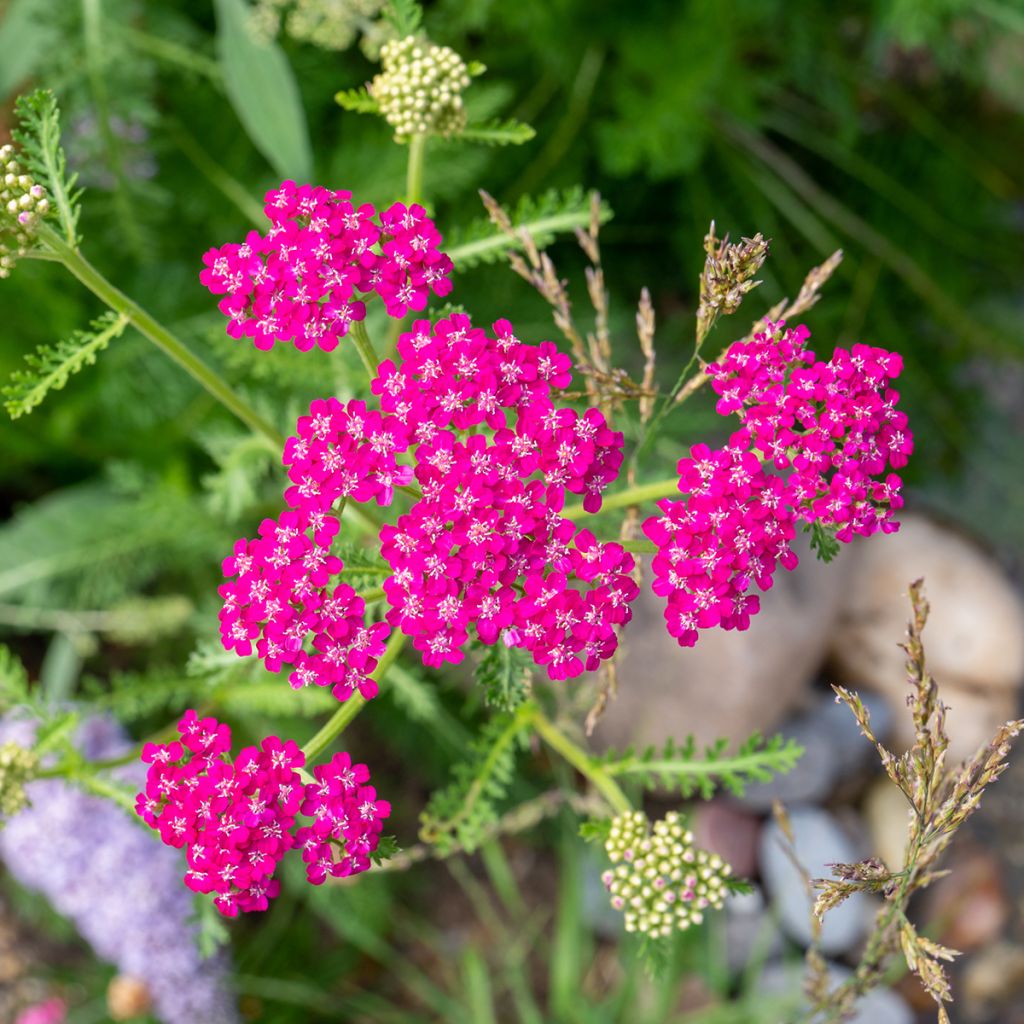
x=281, y=600
x=235, y=816
x=347, y=818
x=483, y=547
x=834, y=425
x=731, y=531
x=831, y=431
x=299, y=282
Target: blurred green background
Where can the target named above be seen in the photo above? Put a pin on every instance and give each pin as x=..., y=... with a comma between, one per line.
x=892, y=130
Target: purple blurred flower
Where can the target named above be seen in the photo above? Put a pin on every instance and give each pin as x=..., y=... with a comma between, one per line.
x=121, y=889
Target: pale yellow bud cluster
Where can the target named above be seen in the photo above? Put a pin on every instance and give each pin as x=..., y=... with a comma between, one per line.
x=329, y=24
x=420, y=89
x=17, y=767
x=659, y=879
x=22, y=204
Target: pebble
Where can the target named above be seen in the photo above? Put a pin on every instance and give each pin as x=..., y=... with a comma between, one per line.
x=974, y=637
x=834, y=752
x=879, y=1006
x=732, y=683
x=886, y=811
x=729, y=832
x=819, y=841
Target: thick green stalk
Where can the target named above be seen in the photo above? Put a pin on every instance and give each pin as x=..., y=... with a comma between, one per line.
x=580, y=760
x=632, y=496
x=341, y=718
x=414, y=171
x=361, y=339
x=152, y=329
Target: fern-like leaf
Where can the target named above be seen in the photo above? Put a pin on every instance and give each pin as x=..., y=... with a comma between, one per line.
x=823, y=541
x=359, y=101
x=543, y=218
x=13, y=679
x=681, y=767
x=38, y=135
x=460, y=814
x=504, y=673
x=405, y=16
x=50, y=366
x=496, y=133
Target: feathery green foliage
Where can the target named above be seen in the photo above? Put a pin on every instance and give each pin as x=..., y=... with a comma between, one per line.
x=405, y=16
x=823, y=541
x=681, y=767
x=544, y=218
x=50, y=366
x=460, y=814
x=504, y=673
x=359, y=101
x=38, y=134
x=13, y=679
x=496, y=132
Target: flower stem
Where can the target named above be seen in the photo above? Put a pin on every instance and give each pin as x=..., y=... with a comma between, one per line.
x=152, y=329
x=633, y=496
x=580, y=760
x=361, y=339
x=414, y=171
x=341, y=718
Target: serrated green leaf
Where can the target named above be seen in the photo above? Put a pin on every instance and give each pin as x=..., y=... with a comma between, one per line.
x=50, y=366
x=496, y=133
x=681, y=768
x=595, y=829
x=38, y=134
x=504, y=673
x=261, y=87
x=823, y=541
x=405, y=16
x=387, y=847
x=357, y=100
x=543, y=218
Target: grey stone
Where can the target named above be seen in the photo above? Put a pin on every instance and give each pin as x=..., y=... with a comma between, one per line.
x=879, y=1006
x=834, y=750
x=819, y=842
x=732, y=683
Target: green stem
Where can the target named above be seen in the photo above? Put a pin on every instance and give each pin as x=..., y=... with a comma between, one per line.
x=414, y=171
x=107, y=292
x=632, y=496
x=338, y=722
x=361, y=339
x=580, y=760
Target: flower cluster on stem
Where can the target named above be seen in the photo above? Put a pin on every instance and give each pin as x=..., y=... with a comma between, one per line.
x=23, y=202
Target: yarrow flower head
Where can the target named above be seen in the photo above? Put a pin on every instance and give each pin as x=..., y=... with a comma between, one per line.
x=732, y=530
x=18, y=766
x=347, y=820
x=236, y=817
x=120, y=890
x=23, y=202
x=301, y=281
x=419, y=90
x=833, y=426
x=659, y=879
x=817, y=445
x=484, y=547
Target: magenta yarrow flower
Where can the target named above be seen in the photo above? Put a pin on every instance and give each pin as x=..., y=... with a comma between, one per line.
x=485, y=548
x=816, y=446
x=301, y=281
x=235, y=817
x=347, y=820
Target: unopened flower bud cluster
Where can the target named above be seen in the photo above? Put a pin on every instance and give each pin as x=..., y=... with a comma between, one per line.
x=22, y=203
x=18, y=766
x=329, y=24
x=420, y=89
x=659, y=879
